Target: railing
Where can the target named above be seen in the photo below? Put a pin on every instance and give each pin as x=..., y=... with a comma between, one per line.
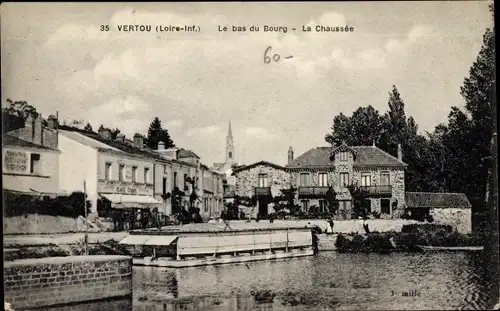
x=262, y=191
x=381, y=190
x=313, y=191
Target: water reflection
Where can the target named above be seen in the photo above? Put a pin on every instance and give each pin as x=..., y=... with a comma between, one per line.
x=329, y=281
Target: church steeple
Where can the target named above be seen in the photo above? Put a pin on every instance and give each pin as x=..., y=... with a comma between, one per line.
x=229, y=145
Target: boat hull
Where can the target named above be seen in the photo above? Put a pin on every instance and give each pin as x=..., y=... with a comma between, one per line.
x=184, y=263
x=451, y=248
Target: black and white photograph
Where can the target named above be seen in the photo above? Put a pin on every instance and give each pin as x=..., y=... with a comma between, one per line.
x=240, y=156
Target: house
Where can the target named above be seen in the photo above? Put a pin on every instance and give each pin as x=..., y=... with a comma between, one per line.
x=449, y=208
x=31, y=158
x=213, y=195
x=116, y=175
x=313, y=173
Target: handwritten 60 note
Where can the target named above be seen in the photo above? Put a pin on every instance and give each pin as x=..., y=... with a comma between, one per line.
x=270, y=57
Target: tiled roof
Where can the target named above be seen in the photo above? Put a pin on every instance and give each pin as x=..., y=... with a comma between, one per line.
x=265, y=163
x=185, y=153
x=315, y=157
x=9, y=140
x=365, y=156
x=436, y=200
x=373, y=156
x=97, y=141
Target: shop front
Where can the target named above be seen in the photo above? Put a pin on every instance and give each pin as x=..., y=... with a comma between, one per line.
x=129, y=206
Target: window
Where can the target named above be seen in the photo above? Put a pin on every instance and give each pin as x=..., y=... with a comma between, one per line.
x=230, y=155
x=322, y=179
x=146, y=175
x=107, y=171
x=262, y=180
x=185, y=182
x=134, y=173
x=344, y=179
x=344, y=156
x=205, y=203
x=385, y=179
x=121, y=172
x=366, y=179
x=164, y=185
x=305, y=205
x=35, y=163
x=304, y=179
x=323, y=206
x=175, y=179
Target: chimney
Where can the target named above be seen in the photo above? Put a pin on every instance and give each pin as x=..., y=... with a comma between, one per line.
x=52, y=122
x=138, y=141
x=105, y=133
x=400, y=153
x=38, y=130
x=120, y=137
x=290, y=155
x=161, y=146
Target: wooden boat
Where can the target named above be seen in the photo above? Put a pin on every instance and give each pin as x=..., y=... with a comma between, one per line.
x=186, y=247
x=451, y=248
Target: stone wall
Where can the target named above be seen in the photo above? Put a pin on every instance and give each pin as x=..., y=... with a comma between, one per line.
x=52, y=281
x=247, y=179
x=460, y=218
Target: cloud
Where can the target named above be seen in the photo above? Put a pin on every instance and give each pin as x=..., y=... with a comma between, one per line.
x=259, y=133
x=196, y=82
x=207, y=130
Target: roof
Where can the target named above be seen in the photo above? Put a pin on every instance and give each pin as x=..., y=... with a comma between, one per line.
x=374, y=156
x=365, y=156
x=436, y=200
x=315, y=157
x=9, y=140
x=93, y=140
x=265, y=163
x=185, y=153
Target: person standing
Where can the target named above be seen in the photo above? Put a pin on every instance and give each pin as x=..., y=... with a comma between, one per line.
x=330, y=222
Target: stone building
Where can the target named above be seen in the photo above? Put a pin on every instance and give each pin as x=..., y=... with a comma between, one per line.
x=30, y=163
x=314, y=172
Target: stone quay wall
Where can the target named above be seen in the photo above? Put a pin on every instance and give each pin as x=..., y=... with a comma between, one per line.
x=53, y=281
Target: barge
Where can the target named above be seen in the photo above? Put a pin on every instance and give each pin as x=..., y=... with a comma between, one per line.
x=205, y=244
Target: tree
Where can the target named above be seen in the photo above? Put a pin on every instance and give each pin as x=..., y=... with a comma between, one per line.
x=88, y=128
x=15, y=114
x=331, y=199
x=361, y=129
x=475, y=91
x=156, y=134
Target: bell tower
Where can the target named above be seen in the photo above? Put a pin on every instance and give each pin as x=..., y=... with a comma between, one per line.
x=229, y=145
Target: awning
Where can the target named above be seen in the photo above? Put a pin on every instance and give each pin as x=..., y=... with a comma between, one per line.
x=163, y=240
x=139, y=239
x=135, y=239
x=130, y=201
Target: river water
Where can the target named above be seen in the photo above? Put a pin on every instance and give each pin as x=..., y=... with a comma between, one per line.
x=329, y=281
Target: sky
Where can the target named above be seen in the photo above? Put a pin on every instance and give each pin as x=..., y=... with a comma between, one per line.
x=55, y=57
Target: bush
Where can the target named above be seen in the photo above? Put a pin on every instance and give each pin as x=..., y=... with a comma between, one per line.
x=66, y=206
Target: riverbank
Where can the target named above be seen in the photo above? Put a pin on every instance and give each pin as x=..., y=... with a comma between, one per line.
x=408, y=240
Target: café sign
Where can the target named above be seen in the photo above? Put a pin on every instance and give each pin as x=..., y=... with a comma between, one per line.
x=126, y=190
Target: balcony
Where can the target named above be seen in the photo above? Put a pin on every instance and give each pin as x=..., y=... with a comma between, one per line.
x=262, y=191
x=312, y=192
x=378, y=191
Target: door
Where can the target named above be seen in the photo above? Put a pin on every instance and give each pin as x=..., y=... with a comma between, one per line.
x=385, y=206
x=263, y=202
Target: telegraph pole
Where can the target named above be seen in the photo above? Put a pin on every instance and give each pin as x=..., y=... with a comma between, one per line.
x=86, y=220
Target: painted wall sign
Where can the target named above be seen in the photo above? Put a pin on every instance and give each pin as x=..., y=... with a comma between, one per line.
x=15, y=161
